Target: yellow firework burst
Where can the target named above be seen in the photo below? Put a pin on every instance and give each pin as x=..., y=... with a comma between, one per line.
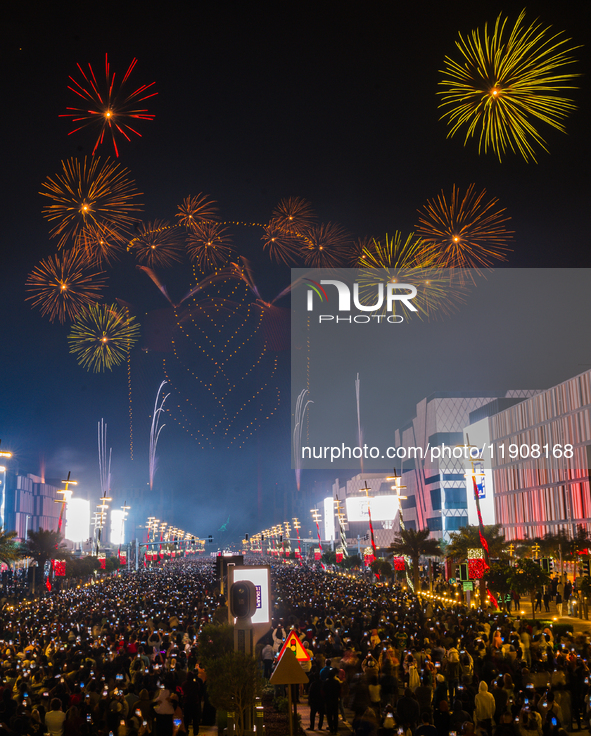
x=102, y=336
x=400, y=260
x=504, y=83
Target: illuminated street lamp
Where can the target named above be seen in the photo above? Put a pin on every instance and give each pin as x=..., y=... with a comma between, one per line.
x=317, y=518
x=67, y=494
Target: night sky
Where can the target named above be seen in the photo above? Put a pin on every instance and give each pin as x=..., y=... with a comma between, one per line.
x=333, y=102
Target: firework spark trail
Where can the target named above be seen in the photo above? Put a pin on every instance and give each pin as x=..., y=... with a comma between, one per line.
x=300, y=410
x=155, y=432
x=104, y=465
x=359, y=435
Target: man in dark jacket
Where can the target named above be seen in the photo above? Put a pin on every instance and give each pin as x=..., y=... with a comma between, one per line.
x=408, y=710
x=459, y=716
x=316, y=702
x=331, y=690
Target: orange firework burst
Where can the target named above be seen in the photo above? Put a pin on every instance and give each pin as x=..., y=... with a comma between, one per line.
x=110, y=104
x=293, y=215
x=326, y=246
x=62, y=286
x=280, y=245
x=157, y=244
x=196, y=209
x=99, y=246
x=90, y=195
x=209, y=244
x=467, y=231
x=360, y=247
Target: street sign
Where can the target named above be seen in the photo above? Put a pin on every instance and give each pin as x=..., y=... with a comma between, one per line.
x=468, y=585
x=452, y=581
x=288, y=671
x=292, y=642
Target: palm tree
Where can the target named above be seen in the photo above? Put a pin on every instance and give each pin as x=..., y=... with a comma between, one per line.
x=9, y=550
x=468, y=537
x=528, y=577
x=413, y=544
x=43, y=546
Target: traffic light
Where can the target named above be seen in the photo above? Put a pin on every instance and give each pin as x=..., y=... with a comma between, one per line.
x=586, y=566
x=210, y=539
x=246, y=537
x=243, y=599
x=547, y=564
x=463, y=571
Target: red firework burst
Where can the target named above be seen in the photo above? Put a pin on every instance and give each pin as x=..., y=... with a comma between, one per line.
x=110, y=104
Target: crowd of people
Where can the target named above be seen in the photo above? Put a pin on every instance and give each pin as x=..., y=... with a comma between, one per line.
x=122, y=657
x=421, y=669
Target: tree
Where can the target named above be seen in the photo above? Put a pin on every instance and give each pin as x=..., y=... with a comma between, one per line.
x=329, y=557
x=9, y=550
x=498, y=581
x=214, y=641
x=414, y=544
x=528, y=577
x=351, y=561
x=42, y=546
x=381, y=567
x=234, y=682
x=468, y=537
x=81, y=567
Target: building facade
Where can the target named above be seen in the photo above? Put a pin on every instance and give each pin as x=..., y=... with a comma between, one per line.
x=535, y=496
x=436, y=486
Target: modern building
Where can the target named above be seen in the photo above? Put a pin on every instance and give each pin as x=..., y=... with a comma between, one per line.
x=29, y=503
x=530, y=496
x=357, y=507
x=434, y=480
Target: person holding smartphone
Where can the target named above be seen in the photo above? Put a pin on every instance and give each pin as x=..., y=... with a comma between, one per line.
x=55, y=718
x=164, y=708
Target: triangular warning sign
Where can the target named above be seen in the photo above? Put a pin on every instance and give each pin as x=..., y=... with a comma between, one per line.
x=293, y=642
x=288, y=671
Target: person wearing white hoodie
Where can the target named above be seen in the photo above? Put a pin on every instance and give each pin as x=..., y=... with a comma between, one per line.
x=484, y=707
